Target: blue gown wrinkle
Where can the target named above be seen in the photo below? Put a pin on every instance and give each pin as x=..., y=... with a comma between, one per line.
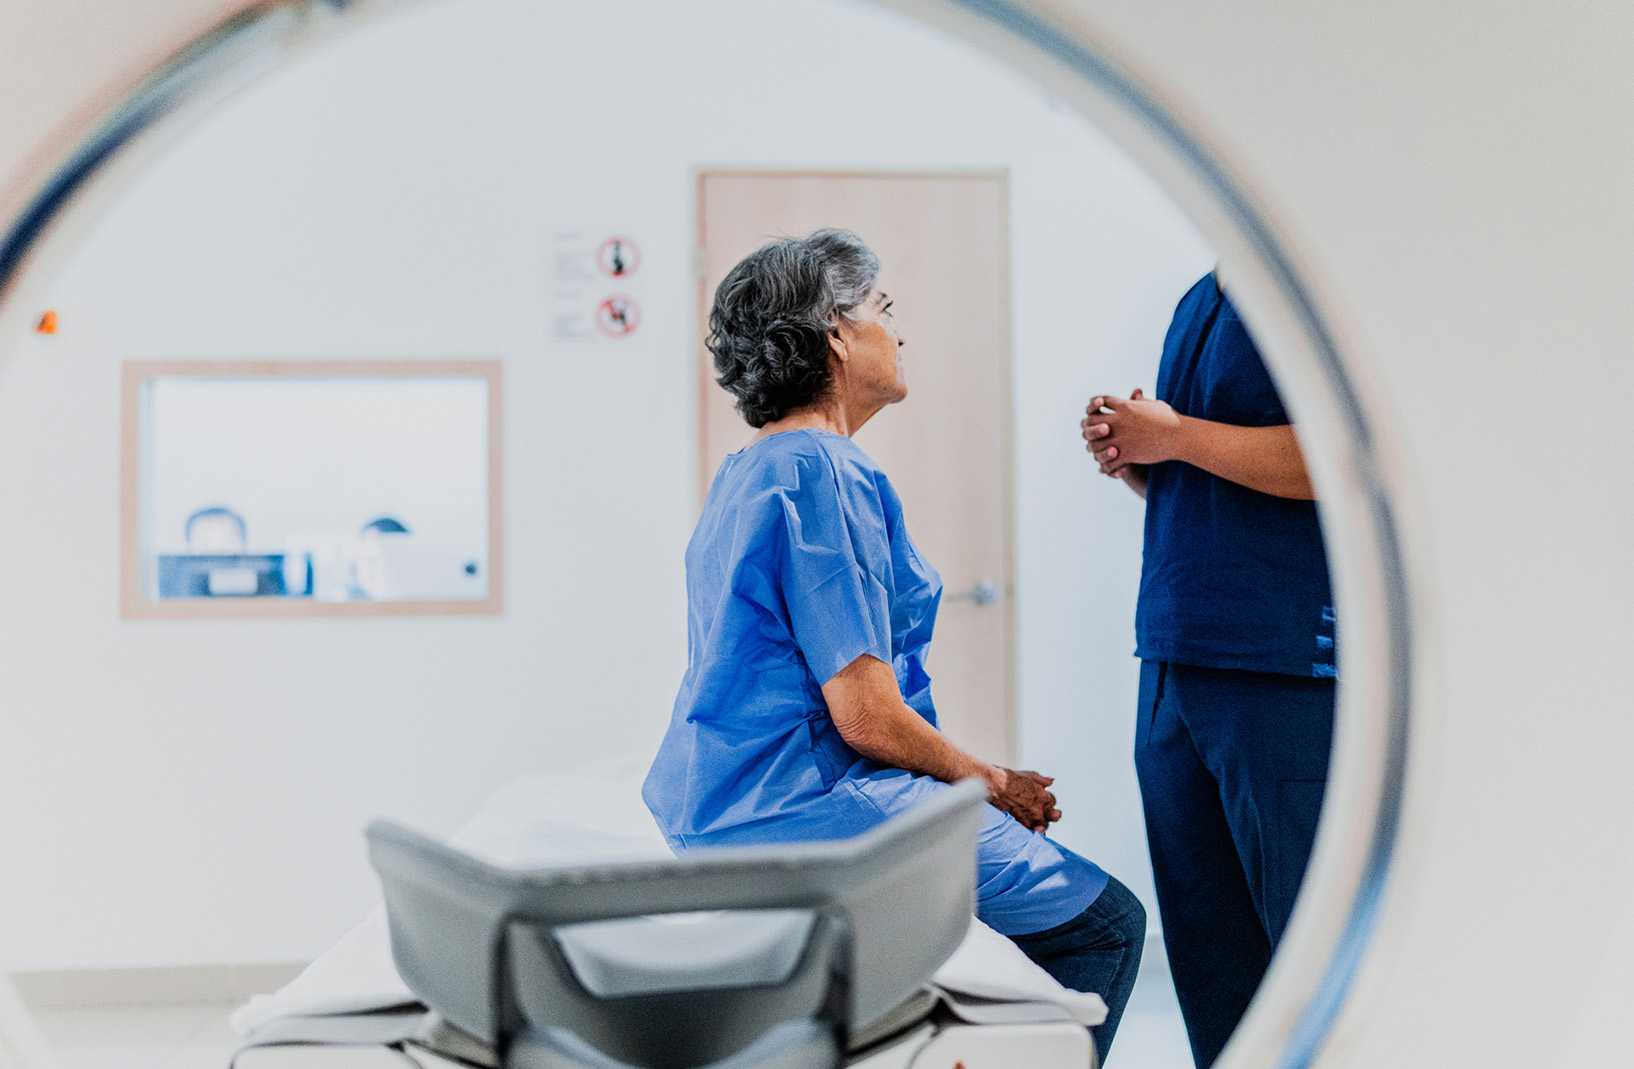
x=800, y=564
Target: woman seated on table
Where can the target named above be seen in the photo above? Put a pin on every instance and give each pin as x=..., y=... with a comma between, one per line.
x=806, y=712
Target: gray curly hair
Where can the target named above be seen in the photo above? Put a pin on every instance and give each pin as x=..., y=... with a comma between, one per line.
x=773, y=314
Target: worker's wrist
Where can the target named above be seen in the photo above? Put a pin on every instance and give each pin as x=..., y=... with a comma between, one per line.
x=1181, y=441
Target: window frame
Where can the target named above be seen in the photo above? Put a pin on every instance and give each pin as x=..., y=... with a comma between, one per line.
x=134, y=604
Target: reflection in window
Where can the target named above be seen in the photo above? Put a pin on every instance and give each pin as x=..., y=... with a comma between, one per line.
x=322, y=484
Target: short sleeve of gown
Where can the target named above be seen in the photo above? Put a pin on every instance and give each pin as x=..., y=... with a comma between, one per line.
x=835, y=567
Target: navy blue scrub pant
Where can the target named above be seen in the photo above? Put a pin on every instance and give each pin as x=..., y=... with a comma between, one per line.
x=1232, y=768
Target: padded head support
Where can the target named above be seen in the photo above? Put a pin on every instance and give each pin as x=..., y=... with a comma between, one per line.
x=837, y=932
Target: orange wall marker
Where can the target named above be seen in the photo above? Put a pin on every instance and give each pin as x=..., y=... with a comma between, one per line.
x=48, y=323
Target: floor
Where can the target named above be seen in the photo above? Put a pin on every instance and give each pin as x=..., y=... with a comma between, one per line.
x=1151, y=1035
x=195, y=1035
x=188, y=1035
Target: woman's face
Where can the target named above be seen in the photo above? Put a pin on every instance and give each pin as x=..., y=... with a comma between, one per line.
x=873, y=361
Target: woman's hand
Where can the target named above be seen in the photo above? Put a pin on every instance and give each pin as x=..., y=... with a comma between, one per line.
x=1024, y=795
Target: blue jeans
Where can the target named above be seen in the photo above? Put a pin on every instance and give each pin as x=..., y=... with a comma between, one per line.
x=1097, y=951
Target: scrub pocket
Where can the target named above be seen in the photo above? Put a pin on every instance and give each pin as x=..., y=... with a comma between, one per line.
x=894, y=790
x=829, y=753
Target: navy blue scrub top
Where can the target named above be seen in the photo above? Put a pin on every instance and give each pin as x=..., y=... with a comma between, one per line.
x=800, y=564
x=1231, y=577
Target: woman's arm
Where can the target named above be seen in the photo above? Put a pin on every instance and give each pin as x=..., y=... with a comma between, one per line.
x=867, y=708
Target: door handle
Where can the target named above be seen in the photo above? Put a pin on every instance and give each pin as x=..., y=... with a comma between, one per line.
x=985, y=592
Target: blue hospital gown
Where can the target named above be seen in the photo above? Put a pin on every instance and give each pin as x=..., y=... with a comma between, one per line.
x=800, y=564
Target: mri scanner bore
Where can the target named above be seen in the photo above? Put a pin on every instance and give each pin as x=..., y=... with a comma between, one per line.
x=223, y=509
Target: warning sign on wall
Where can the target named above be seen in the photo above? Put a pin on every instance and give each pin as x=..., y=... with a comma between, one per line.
x=618, y=257
x=618, y=316
x=585, y=307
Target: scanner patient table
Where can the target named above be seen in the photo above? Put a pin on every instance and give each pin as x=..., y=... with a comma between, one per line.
x=545, y=936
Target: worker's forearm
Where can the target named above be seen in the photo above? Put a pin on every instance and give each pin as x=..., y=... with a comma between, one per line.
x=1267, y=459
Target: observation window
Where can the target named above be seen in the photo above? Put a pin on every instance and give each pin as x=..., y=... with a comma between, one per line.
x=305, y=488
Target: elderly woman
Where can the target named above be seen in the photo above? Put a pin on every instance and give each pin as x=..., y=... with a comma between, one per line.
x=806, y=711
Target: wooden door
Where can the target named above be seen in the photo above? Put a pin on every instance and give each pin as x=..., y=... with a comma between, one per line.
x=943, y=245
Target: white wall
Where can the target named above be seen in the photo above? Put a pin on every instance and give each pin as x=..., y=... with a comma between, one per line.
x=293, y=457
x=194, y=791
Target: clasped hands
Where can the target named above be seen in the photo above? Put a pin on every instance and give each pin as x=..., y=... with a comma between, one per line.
x=1120, y=432
x=1024, y=795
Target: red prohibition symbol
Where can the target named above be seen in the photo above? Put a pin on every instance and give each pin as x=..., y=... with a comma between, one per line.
x=618, y=316
x=618, y=257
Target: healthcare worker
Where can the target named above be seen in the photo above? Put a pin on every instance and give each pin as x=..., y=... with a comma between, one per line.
x=805, y=712
x=1235, y=633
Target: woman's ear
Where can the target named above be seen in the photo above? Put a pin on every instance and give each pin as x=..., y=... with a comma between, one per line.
x=836, y=345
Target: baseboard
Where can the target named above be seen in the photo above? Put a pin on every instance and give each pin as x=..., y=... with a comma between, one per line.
x=153, y=985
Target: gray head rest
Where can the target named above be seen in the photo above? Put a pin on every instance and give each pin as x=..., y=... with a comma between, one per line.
x=844, y=930
x=686, y=951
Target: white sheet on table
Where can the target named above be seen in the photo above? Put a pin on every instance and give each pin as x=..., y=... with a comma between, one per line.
x=595, y=813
